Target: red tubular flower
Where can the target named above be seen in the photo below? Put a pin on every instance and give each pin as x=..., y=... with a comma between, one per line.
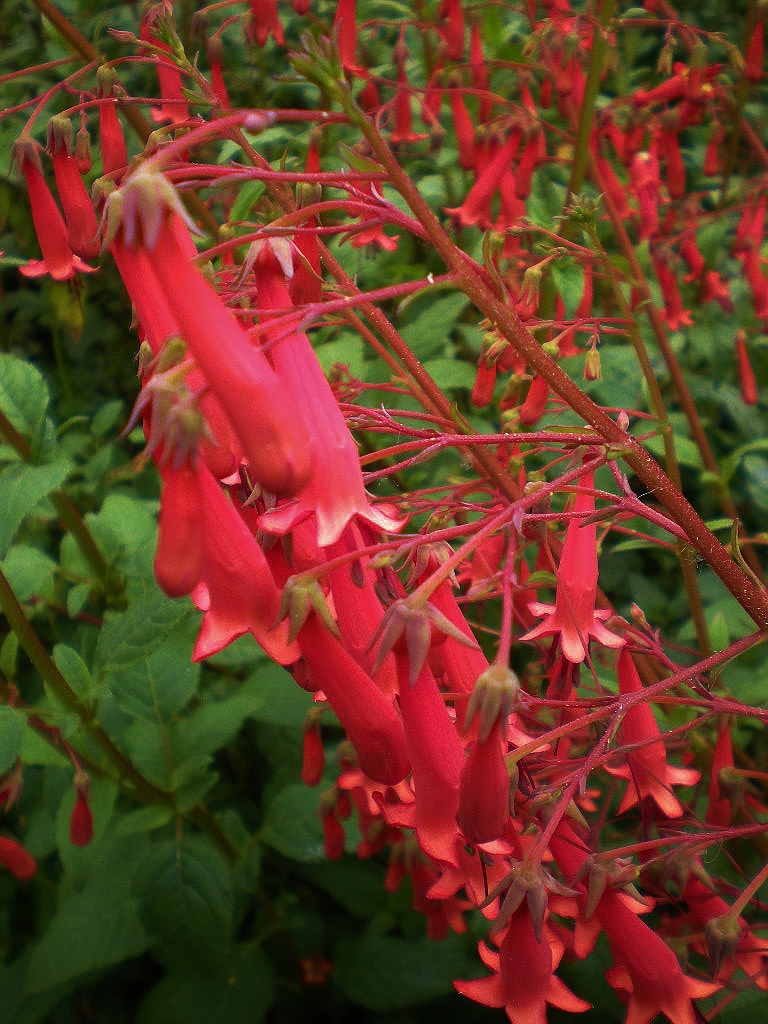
x=574, y=618
x=272, y=435
x=313, y=754
x=524, y=983
x=345, y=29
x=81, y=819
x=452, y=28
x=645, y=178
x=750, y=951
x=334, y=493
x=236, y=592
x=675, y=315
x=173, y=107
x=476, y=208
x=465, y=131
x=82, y=225
x=14, y=858
x=436, y=757
x=668, y=143
x=368, y=716
x=535, y=402
x=180, y=549
x=114, y=154
x=215, y=51
x=264, y=19
x=479, y=71
x=648, y=774
x=646, y=968
x=747, y=379
x=753, y=69
x=58, y=259
x=485, y=788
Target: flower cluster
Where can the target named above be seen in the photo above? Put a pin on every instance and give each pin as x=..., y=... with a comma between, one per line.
x=475, y=785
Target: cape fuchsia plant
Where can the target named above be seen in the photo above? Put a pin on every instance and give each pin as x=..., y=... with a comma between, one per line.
x=420, y=344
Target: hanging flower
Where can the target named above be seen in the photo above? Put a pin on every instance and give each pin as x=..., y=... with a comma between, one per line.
x=14, y=858
x=58, y=259
x=574, y=619
x=523, y=983
x=646, y=769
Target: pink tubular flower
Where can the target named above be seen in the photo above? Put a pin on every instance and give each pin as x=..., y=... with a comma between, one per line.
x=485, y=788
x=436, y=757
x=114, y=153
x=58, y=259
x=368, y=716
x=334, y=493
x=81, y=819
x=272, y=435
x=524, y=982
x=646, y=968
x=82, y=225
x=173, y=107
x=574, y=618
x=452, y=29
x=646, y=769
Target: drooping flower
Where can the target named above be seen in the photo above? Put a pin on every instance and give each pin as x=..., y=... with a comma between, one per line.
x=646, y=769
x=368, y=716
x=574, y=619
x=646, y=968
x=436, y=757
x=114, y=153
x=173, y=106
x=16, y=859
x=81, y=819
x=80, y=216
x=747, y=379
x=334, y=493
x=145, y=215
x=524, y=982
x=58, y=259
x=264, y=20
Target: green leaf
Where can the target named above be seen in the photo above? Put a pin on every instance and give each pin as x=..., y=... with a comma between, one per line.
x=23, y=394
x=384, y=973
x=30, y=572
x=280, y=700
x=292, y=825
x=346, y=349
x=18, y=1005
x=13, y=724
x=74, y=670
x=451, y=373
x=128, y=637
x=22, y=487
x=568, y=277
x=184, y=890
x=243, y=997
x=96, y=927
x=247, y=196
x=155, y=687
x=428, y=332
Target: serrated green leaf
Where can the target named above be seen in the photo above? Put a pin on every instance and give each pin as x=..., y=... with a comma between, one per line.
x=292, y=825
x=156, y=686
x=12, y=726
x=243, y=997
x=184, y=890
x=145, y=819
x=346, y=349
x=22, y=487
x=18, y=1005
x=23, y=394
x=280, y=700
x=107, y=417
x=128, y=637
